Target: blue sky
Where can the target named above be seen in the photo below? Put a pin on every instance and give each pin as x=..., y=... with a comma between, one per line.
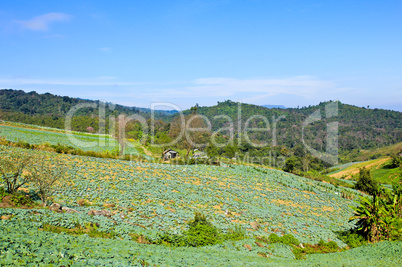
x=292, y=53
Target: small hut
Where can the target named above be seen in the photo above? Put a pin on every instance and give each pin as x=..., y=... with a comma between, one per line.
x=169, y=154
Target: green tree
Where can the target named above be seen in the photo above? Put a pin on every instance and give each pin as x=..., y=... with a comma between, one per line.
x=396, y=160
x=366, y=183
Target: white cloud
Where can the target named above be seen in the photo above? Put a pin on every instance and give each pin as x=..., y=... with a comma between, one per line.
x=41, y=23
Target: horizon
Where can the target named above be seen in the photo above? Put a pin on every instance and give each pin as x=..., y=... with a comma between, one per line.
x=181, y=109
x=185, y=52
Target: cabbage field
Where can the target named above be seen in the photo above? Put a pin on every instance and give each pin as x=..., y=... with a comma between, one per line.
x=150, y=199
x=39, y=135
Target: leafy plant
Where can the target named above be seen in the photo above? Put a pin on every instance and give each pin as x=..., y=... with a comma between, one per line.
x=3, y=193
x=380, y=217
x=289, y=240
x=365, y=183
x=21, y=200
x=352, y=238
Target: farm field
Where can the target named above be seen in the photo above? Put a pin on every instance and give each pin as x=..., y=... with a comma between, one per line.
x=84, y=141
x=35, y=247
x=379, y=171
x=157, y=199
x=162, y=198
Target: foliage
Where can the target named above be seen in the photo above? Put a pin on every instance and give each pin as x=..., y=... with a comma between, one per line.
x=319, y=248
x=287, y=239
x=380, y=217
x=21, y=200
x=365, y=183
x=13, y=164
x=201, y=233
x=91, y=229
x=352, y=238
x=396, y=160
x=301, y=250
x=3, y=193
x=359, y=128
x=44, y=174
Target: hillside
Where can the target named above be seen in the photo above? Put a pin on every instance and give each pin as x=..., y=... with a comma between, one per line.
x=50, y=110
x=153, y=203
x=147, y=201
x=359, y=128
x=158, y=198
x=379, y=169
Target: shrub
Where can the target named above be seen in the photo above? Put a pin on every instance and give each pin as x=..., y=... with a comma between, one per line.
x=320, y=247
x=365, y=183
x=3, y=193
x=274, y=238
x=289, y=240
x=21, y=200
x=202, y=235
x=352, y=239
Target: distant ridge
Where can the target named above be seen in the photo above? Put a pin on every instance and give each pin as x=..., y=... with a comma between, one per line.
x=274, y=106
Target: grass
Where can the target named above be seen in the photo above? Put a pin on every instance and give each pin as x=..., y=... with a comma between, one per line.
x=301, y=250
x=365, y=155
x=379, y=169
x=91, y=230
x=386, y=175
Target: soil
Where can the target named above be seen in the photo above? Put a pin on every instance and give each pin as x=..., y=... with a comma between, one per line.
x=7, y=203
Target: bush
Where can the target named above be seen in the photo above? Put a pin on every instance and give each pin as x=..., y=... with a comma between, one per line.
x=353, y=240
x=365, y=183
x=274, y=238
x=289, y=240
x=3, y=193
x=202, y=235
x=286, y=239
x=21, y=200
x=320, y=247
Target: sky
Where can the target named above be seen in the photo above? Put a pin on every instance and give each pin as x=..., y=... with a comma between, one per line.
x=135, y=53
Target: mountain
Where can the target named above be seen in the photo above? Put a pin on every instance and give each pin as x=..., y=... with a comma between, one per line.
x=274, y=106
x=357, y=128
x=33, y=103
x=50, y=110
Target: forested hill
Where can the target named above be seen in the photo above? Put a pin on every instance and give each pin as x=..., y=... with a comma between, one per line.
x=33, y=103
x=49, y=110
x=359, y=128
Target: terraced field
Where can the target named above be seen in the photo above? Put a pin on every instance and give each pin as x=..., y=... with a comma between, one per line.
x=86, y=142
x=379, y=171
x=151, y=199
x=158, y=198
